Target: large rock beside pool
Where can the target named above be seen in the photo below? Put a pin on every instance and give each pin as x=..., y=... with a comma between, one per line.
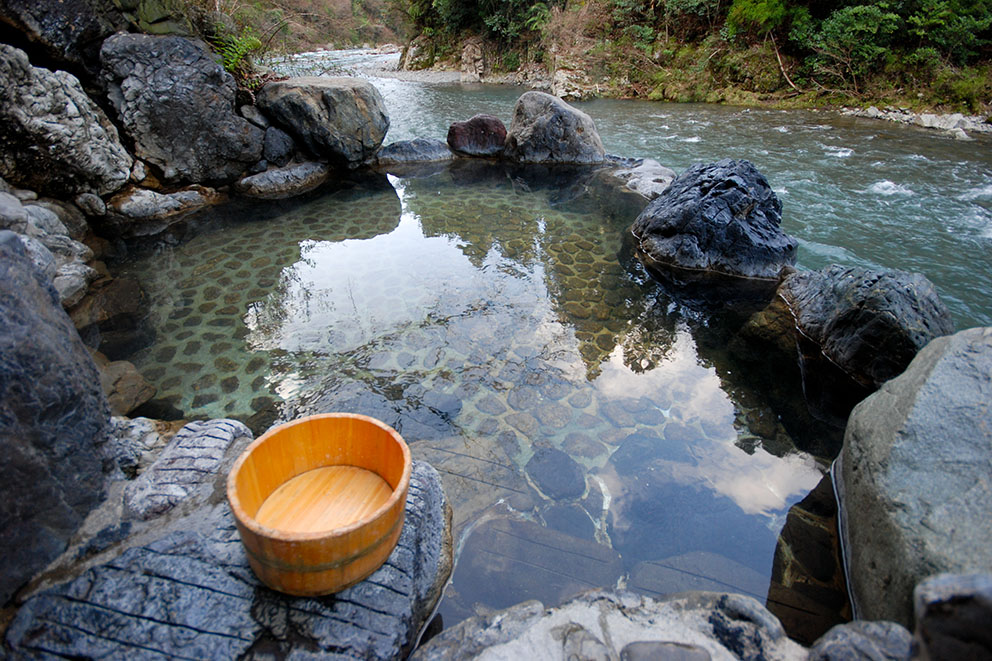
x=176, y=102
x=915, y=489
x=869, y=323
x=54, y=418
x=605, y=625
x=482, y=135
x=55, y=139
x=718, y=218
x=545, y=129
x=179, y=586
x=341, y=120
x=68, y=32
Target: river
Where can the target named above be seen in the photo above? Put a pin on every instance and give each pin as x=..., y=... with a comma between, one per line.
x=590, y=430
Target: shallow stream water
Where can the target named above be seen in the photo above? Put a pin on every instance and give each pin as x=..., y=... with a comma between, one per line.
x=590, y=429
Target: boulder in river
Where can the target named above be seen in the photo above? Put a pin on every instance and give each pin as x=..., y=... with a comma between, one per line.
x=55, y=139
x=481, y=135
x=720, y=218
x=143, y=212
x=342, y=120
x=545, y=129
x=54, y=419
x=176, y=103
x=282, y=182
x=914, y=476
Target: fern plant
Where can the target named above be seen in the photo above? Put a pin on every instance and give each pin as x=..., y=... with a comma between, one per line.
x=235, y=51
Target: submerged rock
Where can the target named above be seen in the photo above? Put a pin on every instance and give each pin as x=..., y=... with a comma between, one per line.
x=482, y=135
x=123, y=384
x=55, y=139
x=647, y=177
x=915, y=490
x=282, y=182
x=545, y=129
x=342, y=120
x=413, y=152
x=176, y=102
x=720, y=218
x=54, y=417
x=189, y=593
x=600, y=624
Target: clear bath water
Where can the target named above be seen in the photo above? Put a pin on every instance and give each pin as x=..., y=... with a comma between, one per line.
x=589, y=429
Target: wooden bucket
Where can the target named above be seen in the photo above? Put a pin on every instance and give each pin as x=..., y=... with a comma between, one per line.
x=319, y=501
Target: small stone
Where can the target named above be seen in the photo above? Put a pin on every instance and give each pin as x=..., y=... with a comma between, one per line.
x=556, y=474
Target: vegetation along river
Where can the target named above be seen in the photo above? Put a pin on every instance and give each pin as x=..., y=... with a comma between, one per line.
x=589, y=428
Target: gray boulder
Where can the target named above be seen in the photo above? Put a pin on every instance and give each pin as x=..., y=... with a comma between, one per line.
x=53, y=418
x=953, y=612
x=869, y=323
x=190, y=593
x=55, y=140
x=545, y=129
x=418, y=150
x=914, y=481
x=342, y=120
x=854, y=641
x=176, y=103
x=601, y=624
x=482, y=135
x=647, y=177
x=720, y=218
x=68, y=32
x=289, y=181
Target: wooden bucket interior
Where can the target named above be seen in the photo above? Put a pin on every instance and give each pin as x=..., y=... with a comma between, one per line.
x=288, y=451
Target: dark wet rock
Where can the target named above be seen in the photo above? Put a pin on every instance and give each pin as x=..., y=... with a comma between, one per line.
x=141, y=212
x=914, y=481
x=188, y=464
x=869, y=323
x=953, y=612
x=342, y=120
x=877, y=641
x=176, y=103
x=66, y=144
x=189, y=593
x=699, y=623
x=556, y=474
x=418, y=150
x=54, y=418
x=482, y=135
x=68, y=32
x=283, y=182
x=720, y=218
x=255, y=116
x=545, y=129
x=116, y=304
x=277, y=147
x=504, y=561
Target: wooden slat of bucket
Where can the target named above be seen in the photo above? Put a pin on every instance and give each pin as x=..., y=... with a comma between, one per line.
x=323, y=499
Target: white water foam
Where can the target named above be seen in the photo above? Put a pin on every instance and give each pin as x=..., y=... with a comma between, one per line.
x=981, y=193
x=783, y=129
x=839, y=152
x=694, y=138
x=886, y=187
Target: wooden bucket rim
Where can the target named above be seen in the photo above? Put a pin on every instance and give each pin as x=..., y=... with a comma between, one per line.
x=274, y=533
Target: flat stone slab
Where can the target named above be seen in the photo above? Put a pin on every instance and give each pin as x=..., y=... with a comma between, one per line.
x=698, y=570
x=505, y=561
x=192, y=595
